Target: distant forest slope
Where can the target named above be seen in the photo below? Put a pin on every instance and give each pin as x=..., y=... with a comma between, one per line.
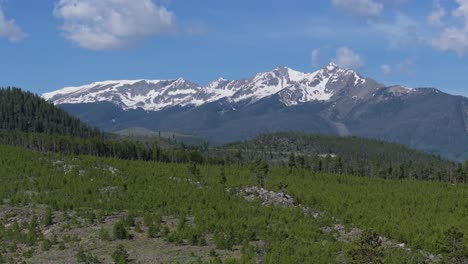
x=349, y=148
x=347, y=155
x=28, y=121
x=26, y=112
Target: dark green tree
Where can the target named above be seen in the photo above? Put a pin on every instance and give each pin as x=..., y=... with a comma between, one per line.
x=291, y=161
x=120, y=255
x=222, y=176
x=47, y=221
x=451, y=246
x=120, y=231
x=260, y=170
x=32, y=231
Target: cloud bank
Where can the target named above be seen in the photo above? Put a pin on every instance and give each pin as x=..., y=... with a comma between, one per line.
x=359, y=8
x=455, y=38
x=112, y=24
x=386, y=69
x=348, y=58
x=9, y=29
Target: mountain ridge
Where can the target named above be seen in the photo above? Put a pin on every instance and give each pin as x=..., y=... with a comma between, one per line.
x=294, y=87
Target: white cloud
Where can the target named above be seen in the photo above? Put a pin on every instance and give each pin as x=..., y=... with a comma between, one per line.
x=402, y=32
x=348, y=58
x=398, y=2
x=455, y=38
x=9, y=29
x=386, y=69
x=437, y=14
x=407, y=66
x=112, y=24
x=360, y=8
x=452, y=39
x=462, y=10
x=315, y=57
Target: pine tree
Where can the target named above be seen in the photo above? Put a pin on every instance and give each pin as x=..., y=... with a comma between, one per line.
x=366, y=249
x=222, y=176
x=452, y=247
x=47, y=221
x=120, y=231
x=260, y=170
x=120, y=255
x=291, y=161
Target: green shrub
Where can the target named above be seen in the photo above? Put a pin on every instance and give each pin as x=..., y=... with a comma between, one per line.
x=85, y=256
x=366, y=249
x=120, y=231
x=153, y=231
x=120, y=255
x=47, y=221
x=104, y=234
x=61, y=245
x=46, y=245
x=138, y=228
x=452, y=247
x=130, y=220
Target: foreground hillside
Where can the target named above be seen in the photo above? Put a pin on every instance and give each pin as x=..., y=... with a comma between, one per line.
x=57, y=209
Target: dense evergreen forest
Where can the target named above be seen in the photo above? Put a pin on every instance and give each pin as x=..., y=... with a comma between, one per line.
x=204, y=208
x=349, y=148
x=26, y=112
x=349, y=155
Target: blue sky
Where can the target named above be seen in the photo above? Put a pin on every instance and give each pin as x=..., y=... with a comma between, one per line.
x=49, y=44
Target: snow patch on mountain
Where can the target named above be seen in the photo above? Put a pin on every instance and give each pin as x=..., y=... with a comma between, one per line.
x=292, y=87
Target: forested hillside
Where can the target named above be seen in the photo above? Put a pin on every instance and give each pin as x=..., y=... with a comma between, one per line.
x=347, y=155
x=24, y=111
x=418, y=166
x=349, y=148
x=57, y=209
x=28, y=121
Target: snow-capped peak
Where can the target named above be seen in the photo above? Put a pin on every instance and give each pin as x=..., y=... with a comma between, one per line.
x=331, y=66
x=84, y=88
x=293, y=87
x=297, y=76
x=180, y=80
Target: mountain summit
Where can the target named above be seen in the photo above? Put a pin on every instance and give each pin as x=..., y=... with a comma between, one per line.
x=293, y=88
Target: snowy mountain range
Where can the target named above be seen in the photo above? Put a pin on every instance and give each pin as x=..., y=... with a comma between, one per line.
x=293, y=88
x=332, y=100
